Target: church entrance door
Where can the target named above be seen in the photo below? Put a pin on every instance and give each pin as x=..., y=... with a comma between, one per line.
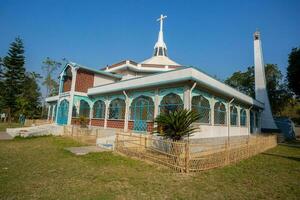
x=142, y=112
x=63, y=109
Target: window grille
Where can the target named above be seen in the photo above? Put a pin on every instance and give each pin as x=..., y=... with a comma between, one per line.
x=84, y=109
x=142, y=108
x=243, y=117
x=202, y=107
x=99, y=109
x=117, y=109
x=233, y=115
x=219, y=113
x=74, y=111
x=170, y=103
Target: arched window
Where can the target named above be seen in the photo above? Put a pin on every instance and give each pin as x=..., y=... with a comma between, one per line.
x=233, y=116
x=74, y=111
x=257, y=119
x=201, y=105
x=67, y=80
x=243, y=117
x=170, y=103
x=142, y=108
x=54, y=112
x=99, y=109
x=220, y=113
x=84, y=109
x=117, y=109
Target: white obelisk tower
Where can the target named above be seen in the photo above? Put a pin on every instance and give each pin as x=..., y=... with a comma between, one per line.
x=261, y=94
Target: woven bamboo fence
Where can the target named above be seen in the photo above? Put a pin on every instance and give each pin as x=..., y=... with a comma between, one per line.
x=193, y=155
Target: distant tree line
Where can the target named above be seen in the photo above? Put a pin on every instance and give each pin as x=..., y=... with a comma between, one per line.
x=284, y=92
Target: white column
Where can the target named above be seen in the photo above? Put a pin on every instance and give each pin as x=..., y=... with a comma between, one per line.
x=71, y=100
x=228, y=119
x=106, y=112
x=49, y=108
x=248, y=120
x=156, y=104
x=186, y=98
x=126, y=113
x=91, y=114
x=212, y=111
x=53, y=110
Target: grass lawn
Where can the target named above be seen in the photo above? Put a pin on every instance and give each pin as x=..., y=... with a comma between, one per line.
x=39, y=168
x=3, y=126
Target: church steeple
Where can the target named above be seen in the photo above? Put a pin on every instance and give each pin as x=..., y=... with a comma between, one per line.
x=160, y=56
x=261, y=93
x=160, y=48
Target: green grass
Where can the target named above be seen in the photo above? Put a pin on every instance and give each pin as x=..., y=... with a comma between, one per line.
x=3, y=126
x=40, y=168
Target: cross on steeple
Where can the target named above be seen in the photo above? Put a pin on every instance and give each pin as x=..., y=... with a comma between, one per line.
x=160, y=48
x=161, y=18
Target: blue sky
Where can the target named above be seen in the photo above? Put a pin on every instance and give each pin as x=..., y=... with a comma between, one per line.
x=215, y=36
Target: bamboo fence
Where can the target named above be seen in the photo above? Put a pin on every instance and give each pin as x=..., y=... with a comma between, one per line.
x=84, y=135
x=193, y=155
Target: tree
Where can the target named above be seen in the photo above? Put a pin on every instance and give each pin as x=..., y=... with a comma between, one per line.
x=49, y=67
x=14, y=75
x=176, y=125
x=293, y=71
x=278, y=91
x=29, y=102
x=1, y=86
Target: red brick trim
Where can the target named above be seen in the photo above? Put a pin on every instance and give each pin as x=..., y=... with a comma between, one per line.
x=97, y=122
x=115, y=123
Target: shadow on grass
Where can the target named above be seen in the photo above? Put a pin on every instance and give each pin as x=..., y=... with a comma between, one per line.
x=282, y=156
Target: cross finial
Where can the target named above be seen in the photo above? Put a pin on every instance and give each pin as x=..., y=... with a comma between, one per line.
x=161, y=18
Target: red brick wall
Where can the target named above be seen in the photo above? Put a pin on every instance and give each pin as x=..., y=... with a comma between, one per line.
x=67, y=85
x=84, y=80
x=75, y=121
x=97, y=122
x=115, y=124
x=150, y=126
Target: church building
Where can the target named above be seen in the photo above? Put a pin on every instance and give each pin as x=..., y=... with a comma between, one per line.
x=128, y=95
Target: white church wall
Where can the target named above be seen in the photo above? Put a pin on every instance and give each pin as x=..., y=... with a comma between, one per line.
x=102, y=80
x=208, y=131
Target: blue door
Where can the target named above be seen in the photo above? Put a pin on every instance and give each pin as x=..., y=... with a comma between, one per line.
x=142, y=109
x=62, y=115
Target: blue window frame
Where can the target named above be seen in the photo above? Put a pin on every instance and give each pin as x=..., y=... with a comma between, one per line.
x=170, y=103
x=117, y=109
x=84, y=109
x=219, y=113
x=99, y=109
x=243, y=117
x=233, y=115
x=201, y=105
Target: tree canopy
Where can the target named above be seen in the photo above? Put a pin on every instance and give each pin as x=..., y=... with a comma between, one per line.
x=293, y=71
x=277, y=89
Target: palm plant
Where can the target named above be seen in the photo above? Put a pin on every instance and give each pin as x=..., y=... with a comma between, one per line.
x=176, y=125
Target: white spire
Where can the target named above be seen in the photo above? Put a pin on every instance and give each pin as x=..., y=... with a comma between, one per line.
x=160, y=41
x=160, y=49
x=261, y=93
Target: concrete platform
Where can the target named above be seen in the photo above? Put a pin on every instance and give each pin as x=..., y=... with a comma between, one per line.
x=5, y=136
x=85, y=150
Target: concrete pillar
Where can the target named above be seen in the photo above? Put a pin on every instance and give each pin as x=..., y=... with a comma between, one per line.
x=71, y=100
x=248, y=120
x=156, y=104
x=91, y=114
x=186, y=98
x=106, y=112
x=212, y=111
x=49, y=111
x=127, y=104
